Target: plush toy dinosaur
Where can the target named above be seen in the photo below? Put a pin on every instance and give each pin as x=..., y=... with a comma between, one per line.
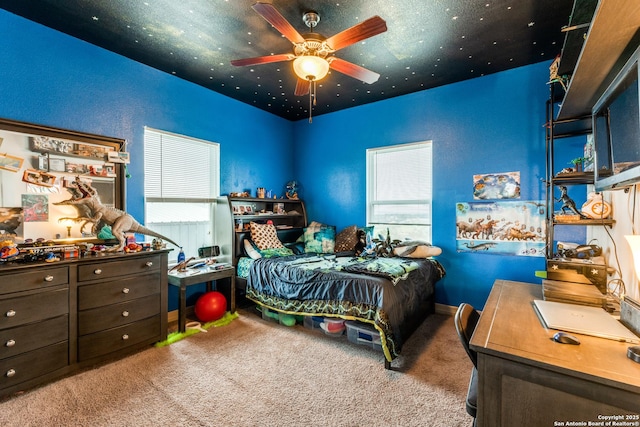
x=91, y=210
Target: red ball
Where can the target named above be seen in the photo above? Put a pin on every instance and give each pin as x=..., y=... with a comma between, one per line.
x=210, y=306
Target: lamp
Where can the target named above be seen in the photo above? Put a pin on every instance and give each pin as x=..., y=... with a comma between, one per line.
x=311, y=68
x=68, y=223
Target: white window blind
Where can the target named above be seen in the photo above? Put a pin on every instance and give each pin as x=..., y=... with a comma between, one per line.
x=179, y=167
x=399, y=188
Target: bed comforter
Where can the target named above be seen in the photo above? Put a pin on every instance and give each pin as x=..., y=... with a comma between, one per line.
x=389, y=293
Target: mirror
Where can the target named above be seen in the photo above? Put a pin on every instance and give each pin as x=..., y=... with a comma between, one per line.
x=37, y=162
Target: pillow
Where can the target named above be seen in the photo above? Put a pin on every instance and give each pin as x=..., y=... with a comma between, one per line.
x=370, y=246
x=251, y=250
x=265, y=236
x=275, y=252
x=347, y=239
x=416, y=249
x=319, y=238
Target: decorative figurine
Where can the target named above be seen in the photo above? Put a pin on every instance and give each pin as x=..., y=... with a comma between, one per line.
x=91, y=210
x=292, y=190
x=595, y=207
x=568, y=203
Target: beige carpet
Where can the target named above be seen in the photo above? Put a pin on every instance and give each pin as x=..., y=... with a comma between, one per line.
x=257, y=373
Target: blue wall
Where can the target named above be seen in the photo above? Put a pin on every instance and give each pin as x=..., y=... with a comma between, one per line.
x=52, y=79
x=485, y=125
x=489, y=124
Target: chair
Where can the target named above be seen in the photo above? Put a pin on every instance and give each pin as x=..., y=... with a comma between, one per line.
x=466, y=319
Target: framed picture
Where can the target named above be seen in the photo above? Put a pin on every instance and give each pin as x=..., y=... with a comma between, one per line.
x=10, y=163
x=118, y=157
x=91, y=151
x=248, y=209
x=38, y=178
x=109, y=169
x=57, y=165
x=76, y=168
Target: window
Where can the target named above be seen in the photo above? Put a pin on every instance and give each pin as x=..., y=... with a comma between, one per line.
x=182, y=180
x=399, y=191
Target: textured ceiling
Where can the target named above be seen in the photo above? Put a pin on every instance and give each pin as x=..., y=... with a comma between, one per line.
x=428, y=43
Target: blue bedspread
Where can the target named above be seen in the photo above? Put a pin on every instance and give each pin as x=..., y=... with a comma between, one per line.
x=386, y=292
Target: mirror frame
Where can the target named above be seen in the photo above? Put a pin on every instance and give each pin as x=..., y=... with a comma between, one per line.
x=117, y=144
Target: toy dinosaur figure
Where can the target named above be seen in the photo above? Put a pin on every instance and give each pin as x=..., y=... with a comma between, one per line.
x=568, y=203
x=91, y=210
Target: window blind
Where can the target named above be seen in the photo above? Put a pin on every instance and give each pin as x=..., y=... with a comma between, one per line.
x=179, y=167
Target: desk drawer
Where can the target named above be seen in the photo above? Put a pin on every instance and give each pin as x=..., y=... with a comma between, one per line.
x=116, y=291
x=34, y=279
x=111, y=340
x=98, y=319
x=22, y=339
x=33, y=364
x=33, y=308
x=105, y=269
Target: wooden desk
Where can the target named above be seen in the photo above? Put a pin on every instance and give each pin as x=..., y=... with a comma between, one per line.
x=182, y=280
x=525, y=378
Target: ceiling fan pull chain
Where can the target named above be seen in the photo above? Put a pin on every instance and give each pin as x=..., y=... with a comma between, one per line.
x=310, y=100
x=315, y=93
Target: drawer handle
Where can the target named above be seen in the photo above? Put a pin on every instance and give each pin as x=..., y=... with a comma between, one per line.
x=10, y=373
x=125, y=337
x=125, y=313
x=11, y=313
x=125, y=290
x=97, y=271
x=10, y=343
x=48, y=278
x=148, y=263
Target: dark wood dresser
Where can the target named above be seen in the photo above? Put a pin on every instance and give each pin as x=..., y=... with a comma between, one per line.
x=56, y=318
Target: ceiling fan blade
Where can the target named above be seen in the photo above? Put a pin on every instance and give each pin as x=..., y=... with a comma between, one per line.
x=272, y=16
x=262, y=59
x=353, y=70
x=302, y=87
x=361, y=31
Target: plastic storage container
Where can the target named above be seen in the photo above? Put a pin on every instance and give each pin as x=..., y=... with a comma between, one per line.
x=313, y=322
x=333, y=327
x=360, y=333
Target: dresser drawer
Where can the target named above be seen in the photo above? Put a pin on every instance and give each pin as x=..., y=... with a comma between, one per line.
x=111, y=340
x=22, y=339
x=106, y=269
x=32, y=308
x=33, y=364
x=34, y=279
x=98, y=319
x=119, y=290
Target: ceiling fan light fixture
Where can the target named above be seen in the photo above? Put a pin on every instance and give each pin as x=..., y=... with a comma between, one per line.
x=309, y=67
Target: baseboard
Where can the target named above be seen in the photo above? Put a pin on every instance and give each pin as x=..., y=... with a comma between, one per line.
x=446, y=309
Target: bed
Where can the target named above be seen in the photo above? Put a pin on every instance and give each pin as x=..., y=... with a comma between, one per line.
x=393, y=294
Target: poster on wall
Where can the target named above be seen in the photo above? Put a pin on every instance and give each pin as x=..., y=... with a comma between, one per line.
x=11, y=220
x=505, y=185
x=35, y=207
x=502, y=227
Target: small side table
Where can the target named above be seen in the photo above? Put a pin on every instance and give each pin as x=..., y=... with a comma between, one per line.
x=182, y=280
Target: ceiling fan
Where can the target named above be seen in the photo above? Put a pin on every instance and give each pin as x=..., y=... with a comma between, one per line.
x=313, y=53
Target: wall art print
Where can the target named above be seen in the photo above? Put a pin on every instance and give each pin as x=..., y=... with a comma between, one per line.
x=503, y=227
x=505, y=185
x=35, y=207
x=11, y=220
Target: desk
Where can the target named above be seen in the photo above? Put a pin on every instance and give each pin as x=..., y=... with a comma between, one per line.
x=524, y=378
x=182, y=280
